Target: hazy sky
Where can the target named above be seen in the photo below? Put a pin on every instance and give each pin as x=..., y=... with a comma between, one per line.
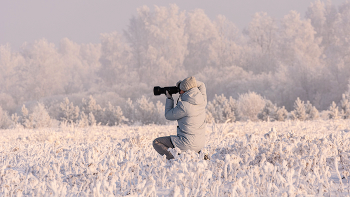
x=83, y=21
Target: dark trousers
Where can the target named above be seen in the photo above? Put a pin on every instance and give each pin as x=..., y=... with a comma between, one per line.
x=162, y=144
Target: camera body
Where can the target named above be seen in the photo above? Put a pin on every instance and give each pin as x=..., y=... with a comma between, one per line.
x=171, y=89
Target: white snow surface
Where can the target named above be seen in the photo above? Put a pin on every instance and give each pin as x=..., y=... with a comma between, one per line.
x=289, y=158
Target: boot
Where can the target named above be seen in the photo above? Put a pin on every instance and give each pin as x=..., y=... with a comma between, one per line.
x=206, y=156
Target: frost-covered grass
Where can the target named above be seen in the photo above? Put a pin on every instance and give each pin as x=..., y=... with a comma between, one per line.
x=247, y=159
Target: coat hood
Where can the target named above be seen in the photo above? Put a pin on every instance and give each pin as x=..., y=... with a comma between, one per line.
x=193, y=96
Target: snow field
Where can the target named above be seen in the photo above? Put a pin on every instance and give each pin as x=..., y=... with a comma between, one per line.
x=246, y=159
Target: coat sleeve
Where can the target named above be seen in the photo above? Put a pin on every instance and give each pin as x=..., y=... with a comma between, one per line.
x=202, y=89
x=174, y=113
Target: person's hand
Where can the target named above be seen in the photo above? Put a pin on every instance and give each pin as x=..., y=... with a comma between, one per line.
x=168, y=95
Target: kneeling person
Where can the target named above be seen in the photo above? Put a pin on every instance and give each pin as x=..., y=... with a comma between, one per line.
x=190, y=115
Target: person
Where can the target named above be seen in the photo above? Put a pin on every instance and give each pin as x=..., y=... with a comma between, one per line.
x=190, y=115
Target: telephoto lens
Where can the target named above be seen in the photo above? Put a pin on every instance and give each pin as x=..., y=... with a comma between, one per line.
x=157, y=90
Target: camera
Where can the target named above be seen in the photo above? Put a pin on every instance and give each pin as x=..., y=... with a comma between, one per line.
x=171, y=89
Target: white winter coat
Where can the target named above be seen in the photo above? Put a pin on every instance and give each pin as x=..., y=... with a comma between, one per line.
x=190, y=115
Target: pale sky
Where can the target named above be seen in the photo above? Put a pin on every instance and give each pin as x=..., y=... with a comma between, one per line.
x=84, y=21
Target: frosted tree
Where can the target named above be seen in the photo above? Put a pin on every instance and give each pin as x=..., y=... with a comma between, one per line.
x=222, y=109
x=215, y=108
x=230, y=109
x=262, y=40
x=37, y=119
x=129, y=111
x=159, y=113
x=26, y=118
x=93, y=109
x=300, y=52
x=80, y=64
x=90, y=55
x=42, y=74
x=41, y=70
x=158, y=44
x=347, y=93
x=209, y=118
x=333, y=111
x=226, y=80
x=210, y=110
x=7, y=67
x=329, y=36
x=314, y=114
x=5, y=121
x=201, y=35
x=345, y=107
x=145, y=111
x=299, y=112
x=332, y=26
x=170, y=41
x=250, y=105
x=92, y=120
x=311, y=111
x=113, y=115
x=11, y=85
x=324, y=18
x=269, y=112
x=74, y=69
x=69, y=113
x=316, y=12
x=262, y=32
x=8, y=102
x=340, y=66
x=16, y=120
x=281, y=114
x=115, y=55
x=306, y=46
x=224, y=50
x=283, y=88
x=41, y=117
x=137, y=37
x=83, y=120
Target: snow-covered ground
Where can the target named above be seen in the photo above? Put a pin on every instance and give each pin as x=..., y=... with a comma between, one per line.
x=246, y=159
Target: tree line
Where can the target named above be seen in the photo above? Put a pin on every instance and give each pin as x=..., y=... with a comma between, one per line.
x=248, y=107
x=279, y=59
